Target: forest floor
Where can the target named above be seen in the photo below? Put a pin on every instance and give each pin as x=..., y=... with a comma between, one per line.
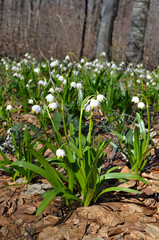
x=115, y=216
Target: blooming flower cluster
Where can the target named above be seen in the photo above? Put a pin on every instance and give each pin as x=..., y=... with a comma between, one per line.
x=94, y=104
x=36, y=109
x=76, y=85
x=50, y=98
x=135, y=99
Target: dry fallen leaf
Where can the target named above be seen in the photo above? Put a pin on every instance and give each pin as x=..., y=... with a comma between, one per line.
x=152, y=230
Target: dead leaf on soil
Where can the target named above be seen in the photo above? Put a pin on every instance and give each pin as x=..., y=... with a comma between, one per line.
x=100, y=215
x=152, y=230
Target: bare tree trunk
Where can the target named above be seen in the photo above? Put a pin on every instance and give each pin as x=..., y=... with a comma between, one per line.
x=136, y=37
x=107, y=16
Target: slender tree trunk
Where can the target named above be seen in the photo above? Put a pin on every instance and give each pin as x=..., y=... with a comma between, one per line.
x=136, y=37
x=107, y=16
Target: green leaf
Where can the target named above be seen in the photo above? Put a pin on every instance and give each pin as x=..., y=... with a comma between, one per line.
x=118, y=135
x=57, y=119
x=54, y=181
x=122, y=175
x=142, y=127
x=80, y=96
x=6, y=161
x=111, y=189
x=49, y=197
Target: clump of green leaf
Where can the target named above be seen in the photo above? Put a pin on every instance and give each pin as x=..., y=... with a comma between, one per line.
x=82, y=161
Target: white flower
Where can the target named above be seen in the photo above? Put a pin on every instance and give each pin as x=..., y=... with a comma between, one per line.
x=50, y=98
x=61, y=78
x=30, y=101
x=67, y=57
x=26, y=54
x=75, y=72
x=36, y=109
x=103, y=54
x=141, y=105
x=138, y=81
x=54, y=64
x=100, y=97
x=41, y=82
x=9, y=131
x=36, y=70
x=64, y=81
x=135, y=100
x=60, y=153
x=43, y=65
x=73, y=84
x=51, y=90
x=94, y=103
x=70, y=64
x=9, y=107
x=58, y=89
x=82, y=60
x=79, y=85
x=53, y=105
x=87, y=108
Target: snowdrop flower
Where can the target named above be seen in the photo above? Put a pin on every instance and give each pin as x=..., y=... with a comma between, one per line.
x=57, y=75
x=54, y=64
x=103, y=54
x=60, y=153
x=135, y=100
x=141, y=105
x=30, y=101
x=7, y=66
x=100, y=97
x=61, y=78
x=15, y=68
x=36, y=70
x=64, y=81
x=41, y=82
x=70, y=64
x=9, y=107
x=51, y=90
x=53, y=105
x=64, y=69
x=73, y=84
x=43, y=65
x=26, y=54
x=82, y=60
x=79, y=85
x=36, y=109
x=27, y=85
x=9, y=131
x=67, y=57
x=101, y=66
x=75, y=72
x=58, y=89
x=50, y=98
x=87, y=108
x=94, y=103
x=138, y=81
